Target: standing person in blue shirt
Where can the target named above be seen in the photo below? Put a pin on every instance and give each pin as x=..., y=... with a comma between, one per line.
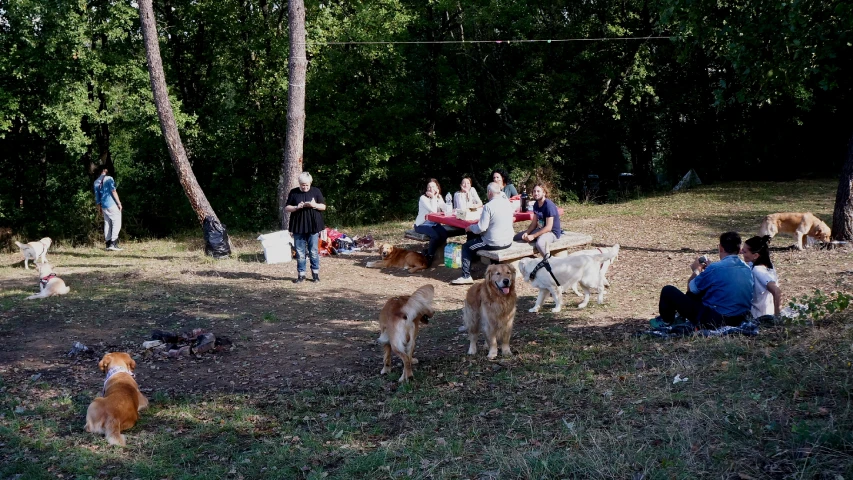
x=109, y=205
x=545, y=228
x=305, y=204
x=720, y=292
x=493, y=232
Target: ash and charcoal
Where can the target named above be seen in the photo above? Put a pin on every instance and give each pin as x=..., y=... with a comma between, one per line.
x=191, y=342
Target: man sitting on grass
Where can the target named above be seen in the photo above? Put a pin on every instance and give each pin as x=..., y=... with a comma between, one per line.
x=719, y=293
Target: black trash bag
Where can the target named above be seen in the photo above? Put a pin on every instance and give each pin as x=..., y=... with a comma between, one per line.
x=216, y=243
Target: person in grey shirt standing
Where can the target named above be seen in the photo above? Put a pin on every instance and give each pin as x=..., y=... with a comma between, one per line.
x=493, y=232
x=109, y=204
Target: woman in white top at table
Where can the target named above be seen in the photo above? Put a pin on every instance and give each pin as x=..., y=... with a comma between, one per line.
x=766, y=295
x=431, y=202
x=466, y=196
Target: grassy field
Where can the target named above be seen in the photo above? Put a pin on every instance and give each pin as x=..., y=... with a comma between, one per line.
x=300, y=395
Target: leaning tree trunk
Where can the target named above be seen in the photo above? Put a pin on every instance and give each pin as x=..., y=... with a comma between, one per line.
x=168, y=126
x=291, y=165
x=842, y=218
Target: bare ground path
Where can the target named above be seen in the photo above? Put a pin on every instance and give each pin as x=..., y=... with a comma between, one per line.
x=292, y=336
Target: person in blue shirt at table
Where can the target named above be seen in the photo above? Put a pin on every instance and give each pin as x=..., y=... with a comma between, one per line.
x=501, y=177
x=493, y=232
x=719, y=294
x=545, y=227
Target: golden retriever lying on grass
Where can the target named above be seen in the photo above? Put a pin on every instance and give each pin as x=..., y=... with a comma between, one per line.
x=399, y=322
x=799, y=224
x=490, y=308
x=399, y=257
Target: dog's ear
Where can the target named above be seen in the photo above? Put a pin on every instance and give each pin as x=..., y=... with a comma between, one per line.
x=511, y=269
x=105, y=362
x=490, y=269
x=131, y=364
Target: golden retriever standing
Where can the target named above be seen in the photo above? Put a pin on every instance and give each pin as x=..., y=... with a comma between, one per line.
x=49, y=283
x=34, y=250
x=118, y=409
x=399, y=257
x=399, y=322
x=490, y=308
x=800, y=224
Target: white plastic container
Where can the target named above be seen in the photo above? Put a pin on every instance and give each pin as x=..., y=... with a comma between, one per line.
x=276, y=246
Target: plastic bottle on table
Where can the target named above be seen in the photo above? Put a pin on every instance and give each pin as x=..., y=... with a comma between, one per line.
x=448, y=205
x=524, y=198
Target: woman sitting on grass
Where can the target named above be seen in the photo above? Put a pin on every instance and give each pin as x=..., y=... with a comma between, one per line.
x=766, y=297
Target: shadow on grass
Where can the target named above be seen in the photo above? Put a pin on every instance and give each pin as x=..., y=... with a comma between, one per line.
x=119, y=255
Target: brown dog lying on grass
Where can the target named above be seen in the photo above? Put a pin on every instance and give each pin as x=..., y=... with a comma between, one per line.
x=490, y=308
x=118, y=408
x=399, y=322
x=799, y=224
x=399, y=257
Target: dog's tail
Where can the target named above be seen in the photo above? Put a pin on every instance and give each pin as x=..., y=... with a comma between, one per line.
x=608, y=254
x=420, y=303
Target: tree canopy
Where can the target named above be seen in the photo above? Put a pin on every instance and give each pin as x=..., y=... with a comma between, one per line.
x=740, y=90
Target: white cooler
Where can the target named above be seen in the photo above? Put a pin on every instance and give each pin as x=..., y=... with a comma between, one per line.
x=277, y=246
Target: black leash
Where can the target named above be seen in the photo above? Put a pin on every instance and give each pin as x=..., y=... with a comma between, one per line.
x=544, y=263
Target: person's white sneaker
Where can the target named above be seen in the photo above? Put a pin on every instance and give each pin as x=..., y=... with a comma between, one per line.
x=463, y=281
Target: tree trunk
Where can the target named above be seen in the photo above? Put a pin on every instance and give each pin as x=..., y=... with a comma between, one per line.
x=168, y=126
x=842, y=217
x=291, y=165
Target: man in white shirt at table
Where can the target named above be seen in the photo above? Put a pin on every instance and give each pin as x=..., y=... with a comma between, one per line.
x=493, y=232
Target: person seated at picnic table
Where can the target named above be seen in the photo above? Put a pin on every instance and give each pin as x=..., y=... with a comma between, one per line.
x=493, y=232
x=467, y=195
x=544, y=229
x=431, y=202
x=501, y=177
x=766, y=295
x=719, y=294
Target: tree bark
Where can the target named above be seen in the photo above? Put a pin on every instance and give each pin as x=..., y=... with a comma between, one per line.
x=842, y=217
x=196, y=196
x=291, y=165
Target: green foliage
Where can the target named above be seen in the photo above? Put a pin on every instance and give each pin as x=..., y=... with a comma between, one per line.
x=819, y=305
x=745, y=89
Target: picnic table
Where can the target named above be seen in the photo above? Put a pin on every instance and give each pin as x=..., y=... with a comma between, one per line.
x=451, y=220
x=517, y=250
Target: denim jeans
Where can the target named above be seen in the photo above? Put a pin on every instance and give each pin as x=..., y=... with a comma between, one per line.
x=307, y=241
x=437, y=236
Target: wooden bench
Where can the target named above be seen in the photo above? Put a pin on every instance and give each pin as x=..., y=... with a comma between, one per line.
x=451, y=232
x=520, y=250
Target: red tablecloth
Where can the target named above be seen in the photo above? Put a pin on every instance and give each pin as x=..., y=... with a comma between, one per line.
x=455, y=222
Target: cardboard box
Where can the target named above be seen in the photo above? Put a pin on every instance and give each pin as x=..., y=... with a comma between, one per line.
x=469, y=214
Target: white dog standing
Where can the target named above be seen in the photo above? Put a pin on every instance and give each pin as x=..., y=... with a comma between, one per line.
x=34, y=250
x=604, y=266
x=49, y=283
x=585, y=270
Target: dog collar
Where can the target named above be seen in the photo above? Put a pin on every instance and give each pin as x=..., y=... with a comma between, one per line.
x=112, y=371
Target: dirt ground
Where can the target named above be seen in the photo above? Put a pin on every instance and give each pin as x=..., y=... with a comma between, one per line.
x=289, y=336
